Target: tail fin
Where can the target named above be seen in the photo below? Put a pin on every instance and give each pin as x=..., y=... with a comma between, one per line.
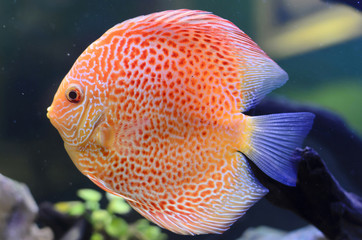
x=273, y=139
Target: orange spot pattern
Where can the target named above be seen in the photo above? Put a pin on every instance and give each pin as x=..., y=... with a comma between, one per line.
x=172, y=101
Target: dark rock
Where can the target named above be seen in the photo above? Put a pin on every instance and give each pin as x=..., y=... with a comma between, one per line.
x=17, y=213
x=65, y=227
x=318, y=198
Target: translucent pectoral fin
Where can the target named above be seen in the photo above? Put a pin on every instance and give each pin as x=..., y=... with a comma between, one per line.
x=129, y=134
x=105, y=137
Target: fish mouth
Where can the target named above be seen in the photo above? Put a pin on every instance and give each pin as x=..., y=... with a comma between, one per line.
x=49, y=109
x=50, y=116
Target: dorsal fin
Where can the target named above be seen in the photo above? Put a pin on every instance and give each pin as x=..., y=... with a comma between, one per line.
x=182, y=16
x=258, y=74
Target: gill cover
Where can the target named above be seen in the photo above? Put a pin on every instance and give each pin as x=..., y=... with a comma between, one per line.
x=75, y=116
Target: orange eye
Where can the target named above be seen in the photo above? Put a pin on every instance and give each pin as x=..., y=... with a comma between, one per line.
x=73, y=94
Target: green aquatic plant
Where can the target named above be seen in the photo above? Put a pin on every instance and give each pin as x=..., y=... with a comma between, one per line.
x=107, y=223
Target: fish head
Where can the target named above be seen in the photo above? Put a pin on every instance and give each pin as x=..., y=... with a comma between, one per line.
x=76, y=111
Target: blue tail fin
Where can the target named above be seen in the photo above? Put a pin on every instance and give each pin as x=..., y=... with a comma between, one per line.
x=273, y=139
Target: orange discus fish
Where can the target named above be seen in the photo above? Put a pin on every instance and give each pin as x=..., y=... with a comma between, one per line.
x=152, y=112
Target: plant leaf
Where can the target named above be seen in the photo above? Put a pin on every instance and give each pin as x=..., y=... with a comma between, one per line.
x=88, y=194
x=117, y=228
x=118, y=205
x=92, y=205
x=77, y=209
x=64, y=207
x=96, y=236
x=100, y=219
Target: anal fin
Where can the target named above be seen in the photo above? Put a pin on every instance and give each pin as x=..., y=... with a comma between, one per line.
x=216, y=212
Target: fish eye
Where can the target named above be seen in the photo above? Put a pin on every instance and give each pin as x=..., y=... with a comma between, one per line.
x=74, y=94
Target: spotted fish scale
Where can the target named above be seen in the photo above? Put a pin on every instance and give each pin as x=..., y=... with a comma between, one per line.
x=172, y=71
x=160, y=123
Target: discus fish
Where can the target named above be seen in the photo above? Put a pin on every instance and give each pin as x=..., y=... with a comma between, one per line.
x=152, y=112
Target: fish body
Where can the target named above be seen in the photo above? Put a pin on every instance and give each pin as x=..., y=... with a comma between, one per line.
x=152, y=112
